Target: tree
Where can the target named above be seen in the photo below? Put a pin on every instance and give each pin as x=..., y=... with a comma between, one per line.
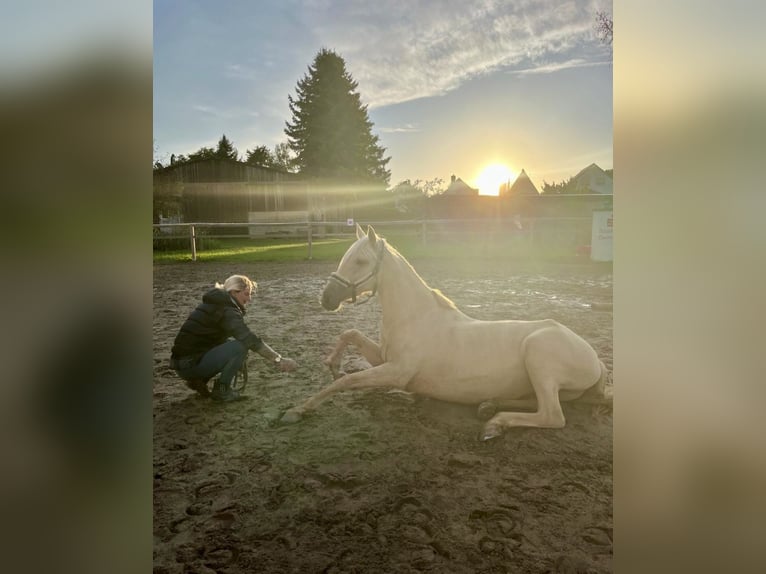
x=566, y=186
x=330, y=132
x=283, y=157
x=203, y=153
x=226, y=149
x=558, y=188
x=261, y=156
x=409, y=196
x=280, y=158
x=420, y=187
x=431, y=187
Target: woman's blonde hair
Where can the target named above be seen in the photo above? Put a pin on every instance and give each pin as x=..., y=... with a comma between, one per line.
x=238, y=283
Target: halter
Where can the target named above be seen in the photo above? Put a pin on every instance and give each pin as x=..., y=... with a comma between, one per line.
x=370, y=275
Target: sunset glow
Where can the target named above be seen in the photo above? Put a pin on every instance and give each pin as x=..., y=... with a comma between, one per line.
x=492, y=177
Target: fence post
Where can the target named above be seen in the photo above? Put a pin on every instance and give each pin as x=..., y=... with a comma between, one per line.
x=193, y=239
x=423, y=230
x=310, y=240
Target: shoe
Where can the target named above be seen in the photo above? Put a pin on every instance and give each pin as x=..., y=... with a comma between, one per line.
x=199, y=385
x=224, y=393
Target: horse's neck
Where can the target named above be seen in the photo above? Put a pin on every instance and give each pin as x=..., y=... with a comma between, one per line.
x=401, y=291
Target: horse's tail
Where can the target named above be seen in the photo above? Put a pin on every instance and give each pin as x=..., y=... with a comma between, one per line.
x=598, y=394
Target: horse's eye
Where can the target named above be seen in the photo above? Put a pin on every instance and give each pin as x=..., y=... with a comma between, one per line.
x=361, y=262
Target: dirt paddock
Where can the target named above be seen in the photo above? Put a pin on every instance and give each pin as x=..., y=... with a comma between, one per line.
x=375, y=481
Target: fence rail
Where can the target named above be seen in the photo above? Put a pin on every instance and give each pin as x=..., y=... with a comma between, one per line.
x=527, y=227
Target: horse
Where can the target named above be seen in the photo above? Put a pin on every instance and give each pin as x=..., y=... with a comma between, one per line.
x=429, y=347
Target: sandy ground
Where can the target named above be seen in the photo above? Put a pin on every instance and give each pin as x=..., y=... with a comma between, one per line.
x=375, y=482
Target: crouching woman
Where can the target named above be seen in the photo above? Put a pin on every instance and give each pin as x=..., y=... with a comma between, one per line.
x=215, y=339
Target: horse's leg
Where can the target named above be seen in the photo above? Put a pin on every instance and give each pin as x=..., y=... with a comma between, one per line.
x=332, y=361
x=369, y=349
x=596, y=395
x=487, y=409
x=544, y=375
x=548, y=414
x=385, y=375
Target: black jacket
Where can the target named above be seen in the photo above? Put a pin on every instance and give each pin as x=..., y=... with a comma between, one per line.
x=214, y=321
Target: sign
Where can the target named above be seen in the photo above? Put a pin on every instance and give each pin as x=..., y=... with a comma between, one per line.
x=350, y=222
x=601, y=236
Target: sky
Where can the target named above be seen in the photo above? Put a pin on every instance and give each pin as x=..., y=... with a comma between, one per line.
x=451, y=86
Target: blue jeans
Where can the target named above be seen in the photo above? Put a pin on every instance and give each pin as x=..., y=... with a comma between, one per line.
x=226, y=358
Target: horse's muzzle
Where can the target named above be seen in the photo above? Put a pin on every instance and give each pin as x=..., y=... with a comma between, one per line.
x=333, y=295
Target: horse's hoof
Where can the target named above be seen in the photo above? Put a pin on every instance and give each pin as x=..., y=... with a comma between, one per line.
x=291, y=416
x=486, y=410
x=489, y=433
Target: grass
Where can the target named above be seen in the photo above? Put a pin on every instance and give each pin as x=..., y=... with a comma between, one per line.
x=249, y=250
x=485, y=246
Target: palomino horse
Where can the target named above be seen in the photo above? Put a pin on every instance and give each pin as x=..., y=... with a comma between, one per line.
x=431, y=348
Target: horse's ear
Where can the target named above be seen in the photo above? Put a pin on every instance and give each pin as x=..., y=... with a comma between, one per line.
x=359, y=231
x=371, y=235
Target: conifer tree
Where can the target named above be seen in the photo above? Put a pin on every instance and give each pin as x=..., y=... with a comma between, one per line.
x=226, y=149
x=330, y=132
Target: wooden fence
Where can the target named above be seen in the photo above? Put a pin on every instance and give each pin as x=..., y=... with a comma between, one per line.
x=574, y=230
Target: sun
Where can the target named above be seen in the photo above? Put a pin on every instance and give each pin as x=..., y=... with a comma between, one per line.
x=492, y=177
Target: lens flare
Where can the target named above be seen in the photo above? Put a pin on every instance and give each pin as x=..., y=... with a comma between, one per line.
x=492, y=177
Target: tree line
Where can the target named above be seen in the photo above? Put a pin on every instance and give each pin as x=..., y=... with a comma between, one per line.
x=278, y=158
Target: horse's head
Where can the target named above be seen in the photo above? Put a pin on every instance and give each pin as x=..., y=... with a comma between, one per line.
x=357, y=272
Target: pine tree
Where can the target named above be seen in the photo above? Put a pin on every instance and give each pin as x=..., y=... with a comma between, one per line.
x=331, y=133
x=226, y=149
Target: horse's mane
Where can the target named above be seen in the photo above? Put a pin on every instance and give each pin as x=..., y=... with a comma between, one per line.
x=440, y=297
x=443, y=300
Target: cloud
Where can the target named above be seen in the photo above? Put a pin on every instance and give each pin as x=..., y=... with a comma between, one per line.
x=208, y=110
x=399, y=129
x=557, y=66
x=400, y=50
x=238, y=71
x=231, y=113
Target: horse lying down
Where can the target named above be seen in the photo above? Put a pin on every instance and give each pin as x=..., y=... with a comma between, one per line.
x=431, y=348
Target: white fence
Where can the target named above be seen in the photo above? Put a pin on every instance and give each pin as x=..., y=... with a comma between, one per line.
x=531, y=229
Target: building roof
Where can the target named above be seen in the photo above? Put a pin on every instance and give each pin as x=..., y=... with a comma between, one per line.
x=522, y=186
x=593, y=179
x=458, y=187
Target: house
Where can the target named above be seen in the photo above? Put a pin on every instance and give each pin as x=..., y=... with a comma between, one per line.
x=592, y=179
x=458, y=187
x=459, y=201
x=522, y=186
